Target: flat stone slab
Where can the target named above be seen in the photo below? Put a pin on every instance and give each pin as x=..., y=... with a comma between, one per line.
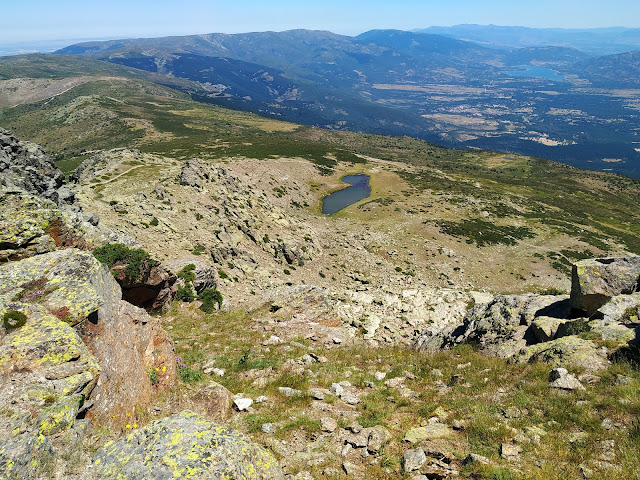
x=435, y=430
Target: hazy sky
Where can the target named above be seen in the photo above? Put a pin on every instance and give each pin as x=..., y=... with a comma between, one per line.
x=38, y=20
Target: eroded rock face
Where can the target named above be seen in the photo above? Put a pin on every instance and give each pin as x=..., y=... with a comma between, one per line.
x=185, y=444
x=595, y=281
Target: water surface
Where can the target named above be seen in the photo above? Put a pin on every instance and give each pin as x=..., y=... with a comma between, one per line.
x=358, y=190
x=536, y=72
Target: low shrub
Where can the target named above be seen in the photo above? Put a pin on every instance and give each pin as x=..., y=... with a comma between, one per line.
x=209, y=298
x=188, y=273
x=185, y=294
x=186, y=374
x=13, y=320
x=136, y=259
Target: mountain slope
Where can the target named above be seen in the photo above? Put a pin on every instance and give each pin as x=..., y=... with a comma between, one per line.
x=403, y=83
x=621, y=70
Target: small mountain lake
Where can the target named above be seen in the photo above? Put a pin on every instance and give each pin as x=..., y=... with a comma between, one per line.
x=536, y=72
x=358, y=190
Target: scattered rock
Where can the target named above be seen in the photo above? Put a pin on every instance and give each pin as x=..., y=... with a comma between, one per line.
x=434, y=430
x=318, y=393
x=289, y=392
x=378, y=436
x=242, y=403
x=353, y=470
x=213, y=401
x=328, y=424
x=510, y=452
x=349, y=398
x=268, y=428
x=413, y=459
x=474, y=458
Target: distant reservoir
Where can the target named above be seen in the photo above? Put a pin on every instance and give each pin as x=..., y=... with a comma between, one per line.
x=358, y=190
x=536, y=72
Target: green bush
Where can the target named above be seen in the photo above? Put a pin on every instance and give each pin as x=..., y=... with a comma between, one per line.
x=189, y=375
x=222, y=274
x=13, y=320
x=136, y=259
x=209, y=297
x=198, y=250
x=154, y=222
x=188, y=273
x=185, y=294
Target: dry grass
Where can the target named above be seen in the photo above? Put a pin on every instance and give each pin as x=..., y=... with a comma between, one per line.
x=494, y=399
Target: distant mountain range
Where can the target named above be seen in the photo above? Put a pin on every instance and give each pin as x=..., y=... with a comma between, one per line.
x=537, y=99
x=597, y=41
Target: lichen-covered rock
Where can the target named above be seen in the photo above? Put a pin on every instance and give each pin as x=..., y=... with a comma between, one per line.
x=46, y=372
x=66, y=288
x=619, y=319
x=31, y=225
x=428, y=432
x=546, y=328
x=46, y=343
x=571, y=351
x=185, y=445
x=595, y=281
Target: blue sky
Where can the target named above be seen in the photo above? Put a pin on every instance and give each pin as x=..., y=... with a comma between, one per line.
x=44, y=20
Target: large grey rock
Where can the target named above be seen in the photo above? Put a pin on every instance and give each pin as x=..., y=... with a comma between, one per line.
x=561, y=379
x=184, y=445
x=213, y=401
x=428, y=432
x=413, y=459
x=595, y=281
x=546, y=328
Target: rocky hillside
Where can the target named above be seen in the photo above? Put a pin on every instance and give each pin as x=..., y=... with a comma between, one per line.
x=77, y=362
x=333, y=351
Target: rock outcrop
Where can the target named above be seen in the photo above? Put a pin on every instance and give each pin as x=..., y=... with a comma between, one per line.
x=188, y=446
x=594, y=282
x=24, y=166
x=499, y=327
x=151, y=289
x=533, y=327
x=246, y=218
x=38, y=211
